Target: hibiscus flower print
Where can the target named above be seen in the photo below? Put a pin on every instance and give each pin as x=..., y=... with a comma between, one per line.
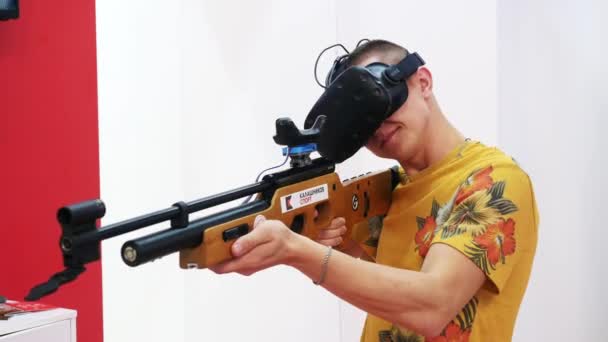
x=479, y=180
x=399, y=335
x=425, y=235
x=472, y=215
x=453, y=333
x=498, y=241
x=426, y=230
x=374, y=225
x=476, y=209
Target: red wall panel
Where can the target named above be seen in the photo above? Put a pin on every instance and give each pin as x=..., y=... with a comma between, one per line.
x=48, y=148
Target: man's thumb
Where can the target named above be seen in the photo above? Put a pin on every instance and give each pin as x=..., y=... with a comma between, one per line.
x=249, y=240
x=258, y=219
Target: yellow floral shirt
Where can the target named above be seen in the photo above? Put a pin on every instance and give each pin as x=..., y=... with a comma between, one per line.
x=480, y=202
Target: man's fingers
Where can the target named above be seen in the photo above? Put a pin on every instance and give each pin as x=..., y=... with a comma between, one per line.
x=337, y=222
x=247, y=242
x=258, y=219
x=332, y=233
x=245, y=266
x=226, y=266
x=246, y=272
x=336, y=229
x=331, y=242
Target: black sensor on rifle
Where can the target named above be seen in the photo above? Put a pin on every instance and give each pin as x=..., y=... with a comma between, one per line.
x=300, y=143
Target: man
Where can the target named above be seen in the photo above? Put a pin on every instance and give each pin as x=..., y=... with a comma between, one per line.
x=456, y=248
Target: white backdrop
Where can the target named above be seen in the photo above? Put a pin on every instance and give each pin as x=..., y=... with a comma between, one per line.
x=552, y=116
x=188, y=93
x=141, y=160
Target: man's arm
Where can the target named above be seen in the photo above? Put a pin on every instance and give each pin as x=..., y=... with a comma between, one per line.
x=424, y=301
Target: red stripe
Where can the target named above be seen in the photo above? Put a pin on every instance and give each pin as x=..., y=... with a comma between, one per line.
x=49, y=148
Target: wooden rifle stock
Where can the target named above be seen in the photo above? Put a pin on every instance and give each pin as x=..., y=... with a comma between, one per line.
x=357, y=200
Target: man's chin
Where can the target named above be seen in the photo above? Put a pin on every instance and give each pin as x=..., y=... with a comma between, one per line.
x=385, y=154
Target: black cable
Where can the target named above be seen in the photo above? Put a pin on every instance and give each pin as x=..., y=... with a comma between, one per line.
x=257, y=179
x=319, y=57
x=363, y=40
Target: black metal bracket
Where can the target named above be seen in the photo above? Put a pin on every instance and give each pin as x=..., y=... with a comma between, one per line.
x=75, y=220
x=182, y=219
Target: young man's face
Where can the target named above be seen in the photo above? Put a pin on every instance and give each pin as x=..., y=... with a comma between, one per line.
x=401, y=135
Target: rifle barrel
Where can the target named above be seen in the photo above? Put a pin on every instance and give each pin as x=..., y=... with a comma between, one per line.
x=167, y=214
x=147, y=248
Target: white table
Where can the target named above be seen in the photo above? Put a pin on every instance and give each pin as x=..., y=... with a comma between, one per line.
x=55, y=325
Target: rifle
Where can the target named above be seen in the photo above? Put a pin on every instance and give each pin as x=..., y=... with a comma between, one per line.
x=305, y=197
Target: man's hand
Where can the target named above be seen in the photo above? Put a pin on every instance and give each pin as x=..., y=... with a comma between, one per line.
x=269, y=243
x=334, y=236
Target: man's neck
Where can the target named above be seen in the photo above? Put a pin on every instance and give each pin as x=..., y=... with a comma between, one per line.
x=439, y=139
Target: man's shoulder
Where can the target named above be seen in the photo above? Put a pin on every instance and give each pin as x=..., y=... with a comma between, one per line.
x=480, y=157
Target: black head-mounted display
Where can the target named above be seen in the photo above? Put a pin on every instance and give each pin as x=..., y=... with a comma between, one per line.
x=356, y=100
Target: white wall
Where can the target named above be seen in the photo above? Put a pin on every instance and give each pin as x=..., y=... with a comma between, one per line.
x=139, y=73
x=552, y=117
x=188, y=98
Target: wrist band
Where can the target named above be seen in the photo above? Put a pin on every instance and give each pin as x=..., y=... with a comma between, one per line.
x=324, y=267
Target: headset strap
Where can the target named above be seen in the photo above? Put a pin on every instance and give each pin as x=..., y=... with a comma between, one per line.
x=404, y=69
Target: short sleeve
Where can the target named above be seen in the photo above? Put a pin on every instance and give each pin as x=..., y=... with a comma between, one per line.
x=367, y=234
x=491, y=219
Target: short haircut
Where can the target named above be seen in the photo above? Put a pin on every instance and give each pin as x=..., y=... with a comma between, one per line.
x=389, y=52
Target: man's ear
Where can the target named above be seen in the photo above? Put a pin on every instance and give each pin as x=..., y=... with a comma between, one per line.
x=424, y=80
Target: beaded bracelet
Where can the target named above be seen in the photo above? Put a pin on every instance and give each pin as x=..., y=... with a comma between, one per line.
x=324, y=267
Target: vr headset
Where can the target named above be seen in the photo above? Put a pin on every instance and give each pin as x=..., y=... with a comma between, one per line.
x=356, y=101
